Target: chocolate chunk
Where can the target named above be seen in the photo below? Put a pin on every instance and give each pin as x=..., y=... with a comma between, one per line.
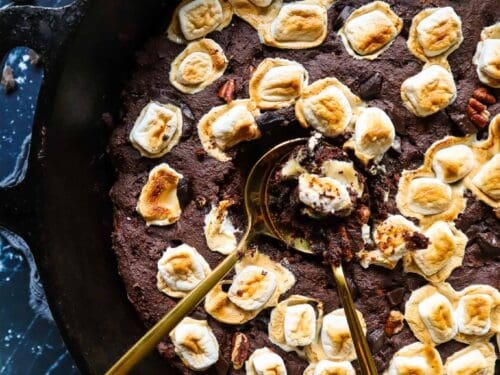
x=395, y=296
x=270, y=119
x=415, y=241
x=370, y=88
x=463, y=122
x=377, y=340
x=184, y=191
x=489, y=243
x=342, y=17
x=8, y=81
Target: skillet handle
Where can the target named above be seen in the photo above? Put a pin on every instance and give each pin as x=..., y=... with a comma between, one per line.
x=45, y=30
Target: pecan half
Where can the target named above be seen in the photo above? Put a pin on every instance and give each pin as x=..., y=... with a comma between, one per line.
x=394, y=323
x=240, y=350
x=226, y=91
x=483, y=95
x=477, y=113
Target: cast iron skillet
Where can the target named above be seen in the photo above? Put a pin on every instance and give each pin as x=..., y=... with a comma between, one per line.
x=62, y=208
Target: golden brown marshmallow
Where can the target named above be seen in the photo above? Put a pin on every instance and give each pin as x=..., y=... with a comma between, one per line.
x=157, y=129
x=487, y=56
x=373, y=135
x=199, y=65
x=370, y=30
x=328, y=106
x=277, y=83
x=429, y=91
x=430, y=316
x=194, y=19
x=453, y=163
x=444, y=253
x=478, y=358
x=158, y=203
x=298, y=25
x=227, y=125
x=257, y=12
x=416, y=358
x=434, y=34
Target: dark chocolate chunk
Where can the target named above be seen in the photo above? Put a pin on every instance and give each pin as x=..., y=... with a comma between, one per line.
x=184, y=191
x=377, y=340
x=342, y=17
x=370, y=88
x=395, y=296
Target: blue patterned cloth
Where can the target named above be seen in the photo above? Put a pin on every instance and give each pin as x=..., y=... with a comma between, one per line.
x=30, y=342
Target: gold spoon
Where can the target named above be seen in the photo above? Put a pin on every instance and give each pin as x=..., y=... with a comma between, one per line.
x=258, y=223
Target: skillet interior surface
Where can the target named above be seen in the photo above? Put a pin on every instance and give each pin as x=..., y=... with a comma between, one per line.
x=62, y=208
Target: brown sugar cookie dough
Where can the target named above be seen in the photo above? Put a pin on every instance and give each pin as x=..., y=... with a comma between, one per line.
x=206, y=181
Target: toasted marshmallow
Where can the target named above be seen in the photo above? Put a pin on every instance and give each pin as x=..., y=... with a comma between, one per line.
x=390, y=236
x=263, y=361
x=373, y=134
x=328, y=106
x=301, y=24
x=478, y=313
x=227, y=125
x=158, y=203
x=261, y=3
x=336, y=337
x=453, y=163
x=180, y=269
x=444, y=253
x=324, y=195
x=326, y=367
x=429, y=196
x=370, y=30
x=300, y=325
x=488, y=178
x=199, y=65
x=487, y=56
x=437, y=314
x=474, y=314
x=277, y=83
x=157, y=129
x=257, y=12
x=439, y=32
x=478, y=358
x=343, y=172
x=219, y=229
x=193, y=19
x=416, y=359
x=294, y=322
x=252, y=288
x=221, y=308
x=195, y=344
x=430, y=91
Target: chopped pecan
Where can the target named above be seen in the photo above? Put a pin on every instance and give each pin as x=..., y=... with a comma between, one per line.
x=394, y=323
x=226, y=91
x=240, y=350
x=480, y=120
x=477, y=113
x=483, y=95
x=477, y=105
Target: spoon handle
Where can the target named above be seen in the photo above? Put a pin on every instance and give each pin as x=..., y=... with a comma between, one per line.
x=161, y=329
x=360, y=343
